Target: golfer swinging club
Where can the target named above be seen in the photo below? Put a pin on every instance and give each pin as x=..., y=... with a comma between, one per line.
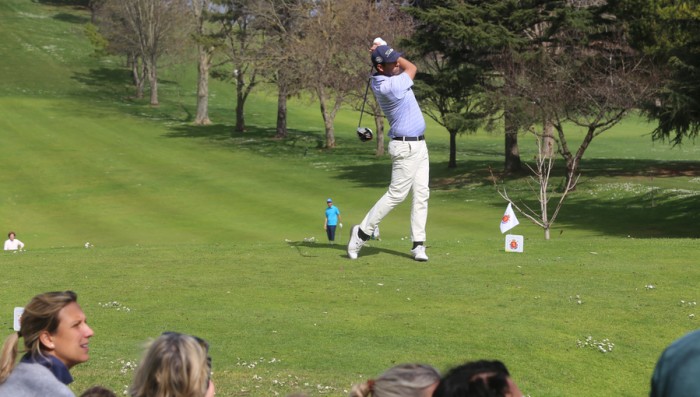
x=391, y=85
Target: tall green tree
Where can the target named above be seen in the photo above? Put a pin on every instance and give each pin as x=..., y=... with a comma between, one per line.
x=584, y=75
x=672, y=35
x=447, y=45
x=587, y=76
x=459, y=41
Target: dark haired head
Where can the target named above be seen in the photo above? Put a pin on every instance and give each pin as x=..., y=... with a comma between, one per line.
x=98, y=391
x=475, y=379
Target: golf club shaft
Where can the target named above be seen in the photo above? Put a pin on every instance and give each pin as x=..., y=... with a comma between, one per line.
x=362, y=110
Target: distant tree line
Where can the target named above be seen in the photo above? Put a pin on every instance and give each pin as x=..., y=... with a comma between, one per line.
x=537, y=66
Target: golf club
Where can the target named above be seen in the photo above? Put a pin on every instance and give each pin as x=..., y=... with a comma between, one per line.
x=364, y=133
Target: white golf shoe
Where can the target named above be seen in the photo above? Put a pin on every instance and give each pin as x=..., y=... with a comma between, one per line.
x=355, y=243
x=419, y=253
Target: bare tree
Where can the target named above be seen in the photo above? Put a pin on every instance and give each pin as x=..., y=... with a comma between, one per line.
x=541, y=186
x=333, y=51
x=242, y=46
x=585, y=78
x=114, y=37
x=283, y=23
x=592, y=91
x=147, y=29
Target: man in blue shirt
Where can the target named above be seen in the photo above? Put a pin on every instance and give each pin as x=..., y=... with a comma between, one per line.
x=392, y=86
x=332, y=220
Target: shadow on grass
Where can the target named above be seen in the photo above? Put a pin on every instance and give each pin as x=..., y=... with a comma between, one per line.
x=477, y=172
x=107, y=81
x=367, y=250
x=656, y=214
x=255, y=139
x=112, y=88
x=74, y=3
x=634, y=208
x=71, y=18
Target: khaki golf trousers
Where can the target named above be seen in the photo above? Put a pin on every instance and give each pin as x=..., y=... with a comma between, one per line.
x=410, y=172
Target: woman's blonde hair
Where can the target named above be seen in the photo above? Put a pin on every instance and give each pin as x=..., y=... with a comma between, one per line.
x=406, y=380
x=40, y=315
x=174, y=365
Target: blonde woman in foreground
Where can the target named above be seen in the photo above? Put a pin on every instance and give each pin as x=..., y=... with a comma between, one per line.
x=175, y=365
x=56, y=338
x=406, y=380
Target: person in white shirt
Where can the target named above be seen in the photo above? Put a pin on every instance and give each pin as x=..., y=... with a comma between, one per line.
x=12, y=244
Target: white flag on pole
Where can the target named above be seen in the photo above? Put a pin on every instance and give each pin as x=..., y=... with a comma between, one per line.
x=509, y=219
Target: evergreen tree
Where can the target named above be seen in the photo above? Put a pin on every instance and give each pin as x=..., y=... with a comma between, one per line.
x=461, y=42
x=672, y=35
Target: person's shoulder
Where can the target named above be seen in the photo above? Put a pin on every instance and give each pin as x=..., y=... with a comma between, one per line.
x=32, y=370
x=378, y=78
x=405, y=77
x=399, y=82
x=29, y=379
x=689, y=340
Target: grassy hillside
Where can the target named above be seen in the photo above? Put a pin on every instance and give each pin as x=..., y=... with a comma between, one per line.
x=198, y=230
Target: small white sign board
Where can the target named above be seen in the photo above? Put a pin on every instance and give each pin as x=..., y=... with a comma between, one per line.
x=18, y=318
x=514, y=243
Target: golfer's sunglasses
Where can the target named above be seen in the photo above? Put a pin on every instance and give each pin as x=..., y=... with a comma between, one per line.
x=201, y=343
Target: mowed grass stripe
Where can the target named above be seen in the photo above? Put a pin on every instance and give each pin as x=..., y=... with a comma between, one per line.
x=126, y=172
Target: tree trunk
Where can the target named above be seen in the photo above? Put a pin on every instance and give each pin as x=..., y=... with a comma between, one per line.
x=544, y=200
x=573, y=162
x=240, y=115
x=240, y=101
x=327, y=126
x=93, y=12
x=327, y=117
x=153, y=81
x=547, y=143
x=281, y=111
x=139, y=77
x=512, y=151
x=379, y=125
x=202, y=117
x=453, y=150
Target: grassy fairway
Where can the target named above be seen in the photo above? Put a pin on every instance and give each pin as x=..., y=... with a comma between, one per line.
x=285, y=317
x=199, y=231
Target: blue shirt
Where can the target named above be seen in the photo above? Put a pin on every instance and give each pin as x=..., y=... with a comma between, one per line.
x=332, y=213
x=395, y=96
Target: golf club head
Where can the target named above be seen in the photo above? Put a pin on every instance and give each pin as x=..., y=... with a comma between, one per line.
x=365, y=134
